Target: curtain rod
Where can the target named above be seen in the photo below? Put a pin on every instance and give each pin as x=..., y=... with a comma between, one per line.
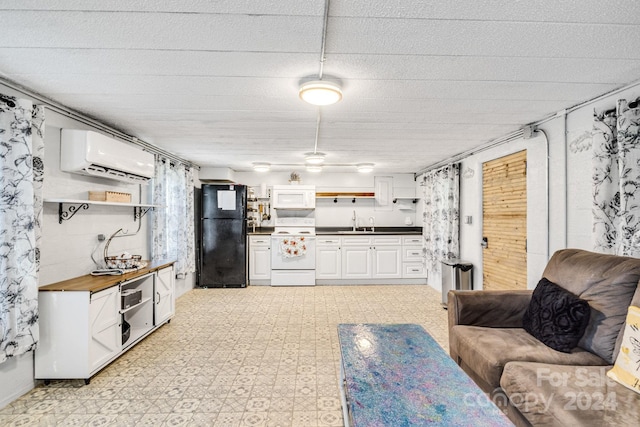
x=70, y=113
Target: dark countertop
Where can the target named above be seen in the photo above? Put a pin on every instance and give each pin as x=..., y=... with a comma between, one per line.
x=346, y=230
x=379, y=230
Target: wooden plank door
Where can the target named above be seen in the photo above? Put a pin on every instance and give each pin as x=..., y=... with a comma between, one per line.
x=504, y=227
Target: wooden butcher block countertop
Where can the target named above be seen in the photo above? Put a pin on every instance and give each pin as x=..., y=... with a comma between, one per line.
x=89, y=283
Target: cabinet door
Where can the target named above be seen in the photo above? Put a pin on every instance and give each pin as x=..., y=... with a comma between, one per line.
x=356, y=262
x=259, y=262
x=328, y=262
x=387, y=262
x=164, y=285
x=105, y=327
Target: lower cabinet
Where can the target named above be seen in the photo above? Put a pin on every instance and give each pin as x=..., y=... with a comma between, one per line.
x=328, y=258
x=105, y=337
x=356, y=261
x=259, y=260
x=344, y=259
x=82, y=331
x=165, y=284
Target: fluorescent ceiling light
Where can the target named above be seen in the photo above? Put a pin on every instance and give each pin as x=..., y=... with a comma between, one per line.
x=319, y=92
x=314, y=168
x=364, y=167
x=314, y=158
x=261, y=167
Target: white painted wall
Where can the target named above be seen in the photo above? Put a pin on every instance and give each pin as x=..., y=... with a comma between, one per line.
x=66, y=248
x=569, y=195
x=471, y=205
x=330, y=214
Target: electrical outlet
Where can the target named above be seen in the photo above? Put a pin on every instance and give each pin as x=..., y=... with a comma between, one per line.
x=101, y=237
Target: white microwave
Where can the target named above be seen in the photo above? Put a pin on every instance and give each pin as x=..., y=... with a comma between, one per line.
x=294, y=196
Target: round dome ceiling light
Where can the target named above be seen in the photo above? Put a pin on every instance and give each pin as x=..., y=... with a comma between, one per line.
x=320, y=92
x=364, y=167
x=314, y=158
x=261, y=167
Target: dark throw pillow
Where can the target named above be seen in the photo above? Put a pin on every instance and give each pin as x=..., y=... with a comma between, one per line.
x=556, y=317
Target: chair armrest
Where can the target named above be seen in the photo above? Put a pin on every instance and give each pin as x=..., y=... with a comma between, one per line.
x=498, y=309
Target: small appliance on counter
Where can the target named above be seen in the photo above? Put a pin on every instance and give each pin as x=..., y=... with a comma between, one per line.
x=130, y=297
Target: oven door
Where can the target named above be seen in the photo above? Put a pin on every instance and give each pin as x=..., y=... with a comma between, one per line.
x=293, y=252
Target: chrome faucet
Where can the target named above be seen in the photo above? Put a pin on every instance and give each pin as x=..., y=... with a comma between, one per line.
x=355, y=220
x=372, y=222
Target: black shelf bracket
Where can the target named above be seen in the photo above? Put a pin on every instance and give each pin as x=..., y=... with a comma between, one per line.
x=140, y=211
x=412, y=200
x=70, y=212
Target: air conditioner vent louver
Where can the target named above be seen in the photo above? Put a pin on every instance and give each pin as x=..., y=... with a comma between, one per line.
x=94, y=154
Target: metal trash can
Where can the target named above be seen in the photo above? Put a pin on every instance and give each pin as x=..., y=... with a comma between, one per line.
x=456, y=274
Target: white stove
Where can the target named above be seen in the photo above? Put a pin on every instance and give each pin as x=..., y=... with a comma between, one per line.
x=303, y=231
x=293, y=250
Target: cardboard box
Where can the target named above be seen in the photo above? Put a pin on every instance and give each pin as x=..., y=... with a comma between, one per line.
x=109, y=196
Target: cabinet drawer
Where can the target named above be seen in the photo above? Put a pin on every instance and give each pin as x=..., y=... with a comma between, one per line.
x=412, y=240
x=327, y=240
x=356, y=240
x=413, y=270
x=260, y=240
x=387, y=240
x=412, y=253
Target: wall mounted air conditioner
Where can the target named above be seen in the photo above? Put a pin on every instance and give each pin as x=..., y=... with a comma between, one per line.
x=91, y=153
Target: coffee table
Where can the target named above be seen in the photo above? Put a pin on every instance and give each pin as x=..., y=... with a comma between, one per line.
x=398, y=375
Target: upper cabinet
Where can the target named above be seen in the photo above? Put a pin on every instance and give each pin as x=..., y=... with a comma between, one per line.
x=384, y=193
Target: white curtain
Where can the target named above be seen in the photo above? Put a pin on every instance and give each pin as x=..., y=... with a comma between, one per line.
x=21, y=160
x=173, y=222
x=616, y=180
x=441, y=216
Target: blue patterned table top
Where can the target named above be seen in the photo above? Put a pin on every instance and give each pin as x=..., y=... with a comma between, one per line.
x=398, y=375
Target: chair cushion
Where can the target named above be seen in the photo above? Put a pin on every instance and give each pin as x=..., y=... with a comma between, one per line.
x=564, y=395
x=556, y=317
x=607, y=283
x=487, y=350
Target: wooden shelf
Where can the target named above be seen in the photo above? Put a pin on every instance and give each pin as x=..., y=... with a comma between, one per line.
x=353, y=195
x=139, y=209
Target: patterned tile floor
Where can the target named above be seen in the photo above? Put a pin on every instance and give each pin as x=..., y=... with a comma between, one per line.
x=259, y=356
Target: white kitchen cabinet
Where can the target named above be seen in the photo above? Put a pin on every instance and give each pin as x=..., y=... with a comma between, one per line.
x=164, y=287
x=106, y=334
x=413, y=257
x=387, y=257
x=328, y=258
x=356, y=262
x=259, y=260
x=82, y=319
x=357, y=257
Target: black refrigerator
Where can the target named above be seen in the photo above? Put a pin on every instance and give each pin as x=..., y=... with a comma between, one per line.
x=223, y=243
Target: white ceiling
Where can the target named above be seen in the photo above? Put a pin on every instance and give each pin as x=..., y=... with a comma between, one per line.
x=216, y=82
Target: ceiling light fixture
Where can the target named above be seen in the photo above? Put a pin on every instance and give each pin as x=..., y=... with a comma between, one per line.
x=320, y=92
x=314, y=168
x=364, y=167
x=261, y=167
x=314, y=158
